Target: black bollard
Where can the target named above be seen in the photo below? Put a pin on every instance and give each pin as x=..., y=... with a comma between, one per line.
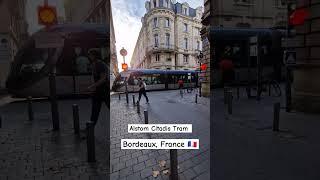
x=225, y=95
x=54, y=103
x=269, y=89
x=76, y=126
x=276, y=116
x=138, y=108
x=238, y=92
x=146, y=119
x=91, y=142
x=196, y=98
x=229, y=101
x=119, y=96
x=133, y=100
x=30, y=109
x=200, y=90
x=0, y=121
x=174, y=164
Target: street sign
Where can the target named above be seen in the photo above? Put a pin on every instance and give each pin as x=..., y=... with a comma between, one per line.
x=203, y=67
x=47, y=15
x=254, y=39
x=123, y=52
x=290, y=57
x=254, y=50
x=52, y=40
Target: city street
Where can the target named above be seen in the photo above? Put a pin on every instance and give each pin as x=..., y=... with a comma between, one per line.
x=165, y=107
x=32, y=150
x=245, y=147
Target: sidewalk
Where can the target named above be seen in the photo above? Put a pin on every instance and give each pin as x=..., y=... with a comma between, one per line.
x=141, y=164
x=247, y=148
x=31, y=150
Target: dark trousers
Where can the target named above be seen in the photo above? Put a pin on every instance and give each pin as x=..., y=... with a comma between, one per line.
x=97, y=100
x=144, y=93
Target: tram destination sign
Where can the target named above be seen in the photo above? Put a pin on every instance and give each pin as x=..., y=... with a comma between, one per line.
x=49, y=40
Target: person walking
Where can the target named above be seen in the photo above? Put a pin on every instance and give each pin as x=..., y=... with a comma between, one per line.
x=100, y=85
x=142, y=90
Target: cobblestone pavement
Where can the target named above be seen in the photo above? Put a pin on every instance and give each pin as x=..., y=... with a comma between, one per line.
x=164, y=107
x=245, y=147
x=31, y=150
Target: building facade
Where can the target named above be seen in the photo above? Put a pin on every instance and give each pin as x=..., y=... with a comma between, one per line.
x=238, y=14
x=94, y=11
x=13, y=32
x=169, y=37
x=306, y=43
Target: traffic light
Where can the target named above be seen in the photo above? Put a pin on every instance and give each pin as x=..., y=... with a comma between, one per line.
x=124, y=66
x=296, y=17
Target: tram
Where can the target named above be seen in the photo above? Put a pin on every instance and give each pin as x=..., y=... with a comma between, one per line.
x=234, y=44
x=42, y=53
x=155, y=79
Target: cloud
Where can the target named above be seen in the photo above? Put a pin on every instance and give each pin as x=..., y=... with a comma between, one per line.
x=127, y=16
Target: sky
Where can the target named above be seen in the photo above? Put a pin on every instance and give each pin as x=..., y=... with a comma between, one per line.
x=127, y=16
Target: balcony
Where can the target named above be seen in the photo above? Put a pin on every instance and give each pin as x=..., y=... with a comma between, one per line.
x=162, y=47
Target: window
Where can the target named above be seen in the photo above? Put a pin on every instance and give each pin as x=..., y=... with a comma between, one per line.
x=157, y=57
x=185, y=43
x=168, y=57
x=154, y=3
x=166, y=4
x=185, y=27
x=156, y=40
x=185, y=11
x=185, y=58
x=167, y=40
x=198, y=45
x=167, y=24
x=155, y=22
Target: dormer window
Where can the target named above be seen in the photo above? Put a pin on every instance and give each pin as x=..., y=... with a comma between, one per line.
x=185, y=11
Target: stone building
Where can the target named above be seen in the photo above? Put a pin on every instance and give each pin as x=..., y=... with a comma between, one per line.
x=94, y=11
x=13, y=32
x=306, y=43
x=169, y=37
x=238, y=14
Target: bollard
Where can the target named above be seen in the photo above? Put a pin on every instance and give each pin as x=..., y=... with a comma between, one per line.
x=127, y=97
x=269, y=89
x=138, y=107
x=181, y=93
x=225, y=95
x=200, y=90
x=75, y=110
x=196, y=98
x=119, y=96
x=90, y=142
x=133, y=100
x=0, y=121
x=146, y=119
x=30, y=110
x=174, y=164
x=229, y=101
x=238, y=92
x=276, y=116
x=54, y=103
